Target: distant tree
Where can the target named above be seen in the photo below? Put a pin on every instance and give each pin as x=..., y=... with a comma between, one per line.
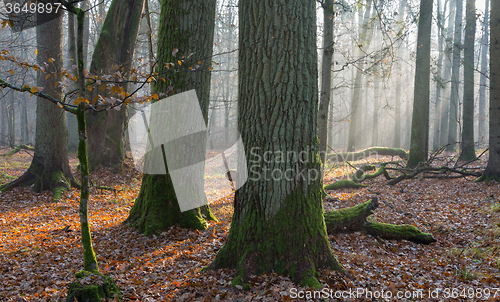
x=363, y=42
x=448, y=57
x=326, y=78
x=420, y=119
x=455, y=72
x=482, y=130
x=467, y=144
x=439, y=80
x=492, y=171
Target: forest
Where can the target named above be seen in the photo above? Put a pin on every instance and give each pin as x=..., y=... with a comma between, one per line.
x=225, y=150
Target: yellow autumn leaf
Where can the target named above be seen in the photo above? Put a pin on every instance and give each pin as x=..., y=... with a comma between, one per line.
x=51, y=60
x=155, y=96
x=36, y=67
x=211, y=68
x=36, y=52
x=11, y=71
x=179, y=62
x=80, y=100
x=123, y=94
x=34, y=89
x=89, y=88
x=47, y=76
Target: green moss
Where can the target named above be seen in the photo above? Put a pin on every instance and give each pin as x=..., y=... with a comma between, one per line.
x=92, y=287
x=345, y=183
x=292, y=242
x=156, y=208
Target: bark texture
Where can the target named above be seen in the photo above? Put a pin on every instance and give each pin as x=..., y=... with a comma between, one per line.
x=492, y=171
x=326, y=78
x=455, y=72
x=468, y=151
x=113, y=53
x=482, y=116
x=278, y=222
x=187, y=26
x=49, y=169
x=420, y=118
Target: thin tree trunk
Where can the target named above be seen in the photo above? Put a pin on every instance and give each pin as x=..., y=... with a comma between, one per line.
x=326, y=78
x=438, y=78
x=71, y=118
x=445, y=100
x=455, y=72
x=483, y=131
x=467, y=144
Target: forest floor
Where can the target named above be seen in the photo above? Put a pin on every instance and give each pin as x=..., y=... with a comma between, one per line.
x=40, y=247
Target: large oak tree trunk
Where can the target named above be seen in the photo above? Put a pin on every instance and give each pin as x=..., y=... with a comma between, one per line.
x=278, y=222
x=189, y=27
x=113, y=53
x=49, y=169
x=492, y=171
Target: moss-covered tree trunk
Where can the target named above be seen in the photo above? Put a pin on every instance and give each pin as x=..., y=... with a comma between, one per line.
x=188, y=27
x=353, y=219
x=113, y=53
x=492, y=171
x=49, y=169
x=420, y=119
x=278, y=222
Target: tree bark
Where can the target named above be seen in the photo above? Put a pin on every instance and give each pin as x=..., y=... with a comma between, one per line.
x=420, y=119
x=438, y=78
x=483, y=131
x=49, y=169
x=278, y=223
x=71, y=118
x=468, y=151
x=445, y=100
x=187, y=26
x=113, y=53
x=326, y=78
x=455, y=71
x=492, y=171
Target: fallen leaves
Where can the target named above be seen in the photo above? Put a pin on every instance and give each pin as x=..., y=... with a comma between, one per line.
x=40, y=247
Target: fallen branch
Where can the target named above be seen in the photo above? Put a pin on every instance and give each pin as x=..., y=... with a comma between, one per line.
x=358, y=177
x=17, y=149
x=353, y=219
x=353, y=156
